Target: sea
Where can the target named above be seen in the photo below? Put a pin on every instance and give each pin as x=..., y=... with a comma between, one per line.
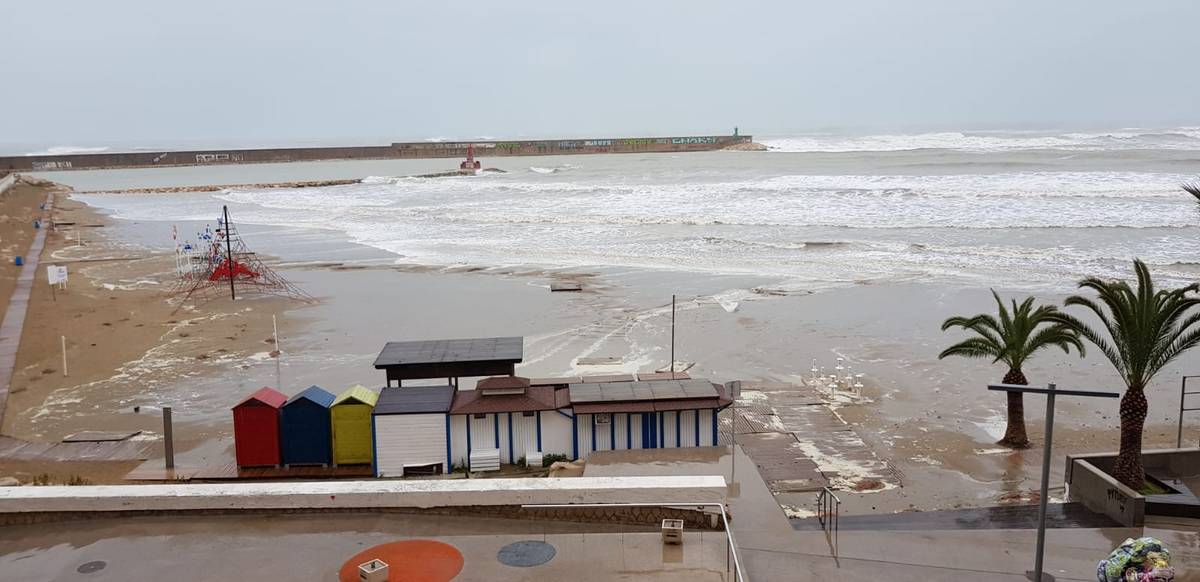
x=1034, y=210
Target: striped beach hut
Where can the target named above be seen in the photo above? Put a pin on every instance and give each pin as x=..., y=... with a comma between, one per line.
x=256, y=428
x=305, y=427
x=351, y=418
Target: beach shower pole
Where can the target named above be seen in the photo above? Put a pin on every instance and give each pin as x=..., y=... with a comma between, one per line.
x=278, y=350
x=229, y=253
x=672, y=336
x=1037, y=574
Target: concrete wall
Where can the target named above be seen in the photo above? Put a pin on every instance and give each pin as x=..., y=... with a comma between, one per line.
x=1088, y=481
x=405, y=150
x=348, y=495
x=1101, y=493
x=7, y=182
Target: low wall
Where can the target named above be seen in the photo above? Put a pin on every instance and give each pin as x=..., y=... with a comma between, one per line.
x=7, y=182
x=1101, y=493
x=1088, y=481
x=397, y=150
x=351, y=495
x=646, y=517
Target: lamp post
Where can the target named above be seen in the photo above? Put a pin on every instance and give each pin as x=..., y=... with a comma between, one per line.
x=1037, y=575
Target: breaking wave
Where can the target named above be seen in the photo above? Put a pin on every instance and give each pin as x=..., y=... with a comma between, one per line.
x=1183, y=138
x=66, y=150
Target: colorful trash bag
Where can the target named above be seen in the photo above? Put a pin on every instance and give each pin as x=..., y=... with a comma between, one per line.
x=1141, y=560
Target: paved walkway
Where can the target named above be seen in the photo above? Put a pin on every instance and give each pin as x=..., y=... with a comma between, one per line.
x=18, y=304
x=1058, y=515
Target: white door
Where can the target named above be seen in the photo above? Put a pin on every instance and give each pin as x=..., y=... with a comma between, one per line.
x=409, y=439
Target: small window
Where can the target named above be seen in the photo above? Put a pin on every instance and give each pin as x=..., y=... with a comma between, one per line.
x=527, y=413
x=479, y=416
x=604, y=418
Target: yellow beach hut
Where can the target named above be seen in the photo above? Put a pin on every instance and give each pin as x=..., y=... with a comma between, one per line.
x=350, y=414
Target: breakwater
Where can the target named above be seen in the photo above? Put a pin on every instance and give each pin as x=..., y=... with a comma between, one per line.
x=397, y=150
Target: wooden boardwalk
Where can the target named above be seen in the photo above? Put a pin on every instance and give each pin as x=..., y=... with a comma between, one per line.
x=230, y=472
x=122, y=450
x=18, y=305
x=799, y=442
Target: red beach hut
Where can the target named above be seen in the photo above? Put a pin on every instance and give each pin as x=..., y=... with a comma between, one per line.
x=256, y=428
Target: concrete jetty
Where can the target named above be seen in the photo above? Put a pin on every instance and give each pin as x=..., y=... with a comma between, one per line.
x=396, y=150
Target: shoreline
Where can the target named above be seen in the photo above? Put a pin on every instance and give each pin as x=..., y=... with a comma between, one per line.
x=116, y=318
x=916, y=415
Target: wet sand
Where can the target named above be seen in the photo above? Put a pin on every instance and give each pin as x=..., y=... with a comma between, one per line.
x=125, y=341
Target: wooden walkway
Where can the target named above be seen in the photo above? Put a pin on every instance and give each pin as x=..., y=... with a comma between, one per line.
x=230, y=472
x=799, y=442
x=18, y=305
x=122, y=450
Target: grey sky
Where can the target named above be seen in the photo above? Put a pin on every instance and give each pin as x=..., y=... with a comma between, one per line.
x=121, y=72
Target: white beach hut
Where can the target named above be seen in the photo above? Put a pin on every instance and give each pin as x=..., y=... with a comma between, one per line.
x=412, y=430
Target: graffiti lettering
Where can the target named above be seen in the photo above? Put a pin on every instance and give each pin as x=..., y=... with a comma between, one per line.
x=208, y=158
x=52, y=165
x=691, y=140
x=598, y=143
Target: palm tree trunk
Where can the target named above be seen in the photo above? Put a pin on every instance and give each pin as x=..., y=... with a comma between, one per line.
x=1014, y=434
x=1133, y=418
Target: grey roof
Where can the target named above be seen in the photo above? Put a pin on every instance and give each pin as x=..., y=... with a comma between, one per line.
x=506, y=349
x=648, y=390
x=414, y=399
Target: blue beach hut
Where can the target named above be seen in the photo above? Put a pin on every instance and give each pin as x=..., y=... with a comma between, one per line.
x=306, y=429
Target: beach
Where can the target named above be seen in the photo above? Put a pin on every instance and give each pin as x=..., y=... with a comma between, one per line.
x=760, y=297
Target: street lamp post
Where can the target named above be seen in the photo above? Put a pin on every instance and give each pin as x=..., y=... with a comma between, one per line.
x=1037, y=575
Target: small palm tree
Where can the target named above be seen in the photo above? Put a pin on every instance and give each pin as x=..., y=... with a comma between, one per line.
x=1143, y=330
x=1013, y=339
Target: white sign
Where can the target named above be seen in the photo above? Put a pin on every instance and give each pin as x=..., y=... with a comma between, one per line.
x=57, y=274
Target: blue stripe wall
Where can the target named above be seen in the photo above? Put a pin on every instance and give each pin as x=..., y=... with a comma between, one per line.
x=538, y=416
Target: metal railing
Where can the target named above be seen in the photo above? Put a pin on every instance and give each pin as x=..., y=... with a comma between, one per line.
x=1183, y=394
x=730, y=546
x=829, y=506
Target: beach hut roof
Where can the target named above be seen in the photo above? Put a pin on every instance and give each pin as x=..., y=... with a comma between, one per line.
x=314, y=394
x=265, y=395
x=479, y=402
x=358, y=393
x=414, y=399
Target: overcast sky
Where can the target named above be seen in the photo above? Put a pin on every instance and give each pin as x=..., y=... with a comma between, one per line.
x=119, y=72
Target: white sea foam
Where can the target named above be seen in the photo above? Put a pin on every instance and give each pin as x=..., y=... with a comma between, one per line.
x=67, y=150
x=1184, y=138
x=811, y=231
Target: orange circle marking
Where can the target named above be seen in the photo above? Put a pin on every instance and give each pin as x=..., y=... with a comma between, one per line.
x=410, y=561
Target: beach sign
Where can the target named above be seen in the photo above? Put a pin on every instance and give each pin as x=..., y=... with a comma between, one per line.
x=57, y=274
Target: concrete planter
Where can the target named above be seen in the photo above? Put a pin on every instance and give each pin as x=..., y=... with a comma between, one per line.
x=1089, y=482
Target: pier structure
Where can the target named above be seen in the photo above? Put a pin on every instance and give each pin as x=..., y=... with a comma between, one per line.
x=396, y=150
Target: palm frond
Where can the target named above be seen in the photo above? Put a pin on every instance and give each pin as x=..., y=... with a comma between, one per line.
x=1192, y=188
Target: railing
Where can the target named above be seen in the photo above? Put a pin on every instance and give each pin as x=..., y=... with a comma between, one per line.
x=828, y=508
x=1183, y=394
x=730, y=546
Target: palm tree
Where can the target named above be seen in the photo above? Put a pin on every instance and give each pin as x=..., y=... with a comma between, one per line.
x=1143, y=330
x=1192, y=188
x=1013, y=339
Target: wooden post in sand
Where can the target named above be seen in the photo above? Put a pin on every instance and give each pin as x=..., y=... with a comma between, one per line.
x=64, y=352
x=278, y=351
x=672, y=336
